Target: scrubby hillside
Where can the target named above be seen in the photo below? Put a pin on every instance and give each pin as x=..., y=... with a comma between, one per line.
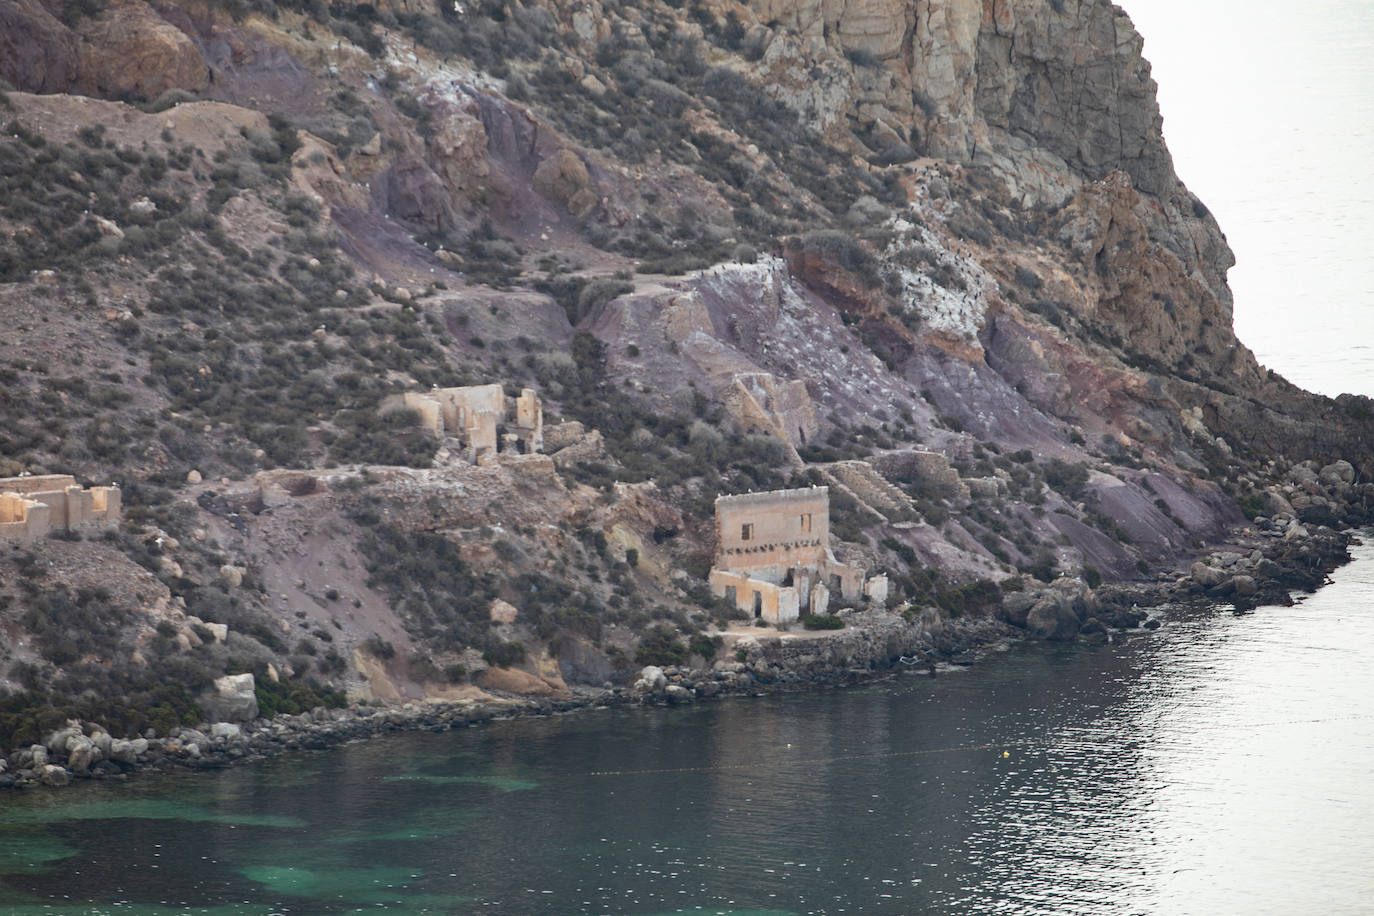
x=733, y=247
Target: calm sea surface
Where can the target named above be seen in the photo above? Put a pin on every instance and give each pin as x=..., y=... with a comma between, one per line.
x=1223, y=764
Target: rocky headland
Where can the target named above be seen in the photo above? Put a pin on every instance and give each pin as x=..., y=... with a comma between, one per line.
x=932, y=256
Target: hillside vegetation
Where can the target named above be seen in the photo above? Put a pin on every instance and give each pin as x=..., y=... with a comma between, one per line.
x=231, y=232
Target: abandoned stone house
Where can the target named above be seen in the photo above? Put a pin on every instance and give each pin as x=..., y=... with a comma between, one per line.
x=773, y=558
x=31, y=507
x=482, y=418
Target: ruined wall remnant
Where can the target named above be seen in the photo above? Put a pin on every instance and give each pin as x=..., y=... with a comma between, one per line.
x=30, y=507
x=482, y=418
x=929, y=472
x=773, y=558
x=758, y=402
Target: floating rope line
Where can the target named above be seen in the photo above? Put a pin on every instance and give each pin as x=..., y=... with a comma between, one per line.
x=839, y=758
x=923, y=752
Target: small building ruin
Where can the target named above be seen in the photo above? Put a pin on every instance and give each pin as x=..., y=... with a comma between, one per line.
x=773, y=558
x=482, y=418
x=759, y=402
x=31, y=507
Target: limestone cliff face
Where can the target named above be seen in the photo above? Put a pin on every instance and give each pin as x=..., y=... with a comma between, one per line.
x=1056, y=101
x=995, y=78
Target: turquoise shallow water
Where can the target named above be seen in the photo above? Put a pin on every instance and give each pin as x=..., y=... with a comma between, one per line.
x=1220, y=765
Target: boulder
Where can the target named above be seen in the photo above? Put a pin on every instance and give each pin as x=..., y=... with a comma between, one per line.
x=233, y=699
x=563, y=177
x=1318, y=512
x=226, y=731
x=1337, y=472
x=580, y=661
x=122, y=751
x=1206, y=576
x=1244, y=586
x=1015, y=607
x=1276, y=504
x=101, y=739
x=1052, y=617
x=1092, y=627
x=651, y=680
x=503, y=612
x=1304, y=478
x=679, y=694
x=53, y=775
x=81, y=753
x=57, y=742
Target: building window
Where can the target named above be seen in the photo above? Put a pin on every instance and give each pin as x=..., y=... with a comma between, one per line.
x=746, y=532
x=806, y=522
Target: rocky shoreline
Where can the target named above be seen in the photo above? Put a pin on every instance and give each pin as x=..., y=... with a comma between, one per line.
x=1268, y=561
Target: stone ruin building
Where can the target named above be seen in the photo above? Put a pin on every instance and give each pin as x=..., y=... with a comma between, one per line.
x=31, y=507
x=773, y=558
x=482, y=418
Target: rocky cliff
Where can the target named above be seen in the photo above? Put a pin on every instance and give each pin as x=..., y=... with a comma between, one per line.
x=930, y=254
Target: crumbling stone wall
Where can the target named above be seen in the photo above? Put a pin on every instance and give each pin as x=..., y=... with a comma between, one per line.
x=930, y=471
x=30, y=507
x=482, y=418
x=773, y=555
x=758, y=402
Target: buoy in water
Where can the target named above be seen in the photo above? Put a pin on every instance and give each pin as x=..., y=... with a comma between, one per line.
x=1006, y=753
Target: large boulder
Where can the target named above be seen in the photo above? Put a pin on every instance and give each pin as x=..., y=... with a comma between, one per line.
x=125, y=751
x=57, y=741
x=1206, y=576
x=563, y=177
x=81, y=753
x=53, y=775
x=233, y=699
x=651, y=680
x=1052, y=617
x=1337, y=472
x=1015, y=607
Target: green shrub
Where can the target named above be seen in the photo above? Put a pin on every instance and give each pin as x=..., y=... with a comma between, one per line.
x=843, y=250
x=822, y=622
x=705, y=646
x=504, y=654
x=660, y=646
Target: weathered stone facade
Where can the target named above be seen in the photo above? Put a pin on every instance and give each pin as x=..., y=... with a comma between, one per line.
x=31, y=507
x=482, y=418
x=773, y=556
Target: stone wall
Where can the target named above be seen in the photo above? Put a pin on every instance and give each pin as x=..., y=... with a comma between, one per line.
x=930, y=471
x=781, y=528
x=777, y=604
x=30, y=507
x=477, y=415
x=758, y=402
x=773, y=556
